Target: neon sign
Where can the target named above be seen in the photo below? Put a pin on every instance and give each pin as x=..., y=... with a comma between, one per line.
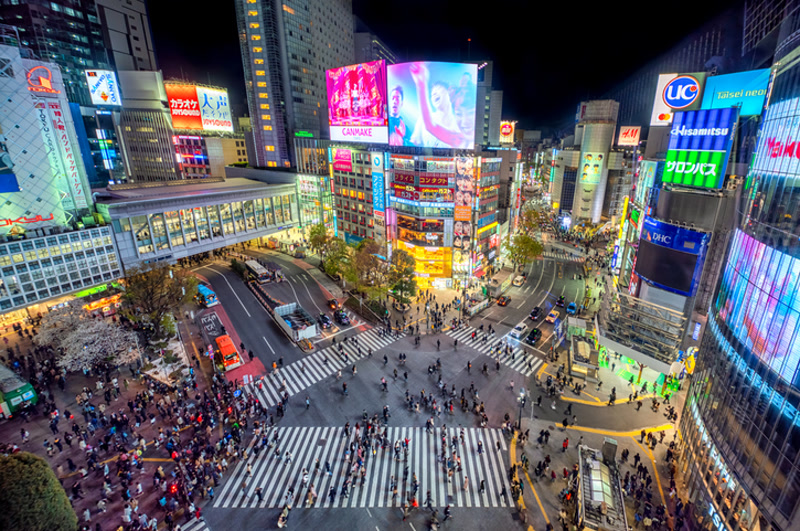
x=23, y=219
x=40, y=79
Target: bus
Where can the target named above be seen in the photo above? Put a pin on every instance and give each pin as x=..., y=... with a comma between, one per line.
x=15, y=393
x=206, y=296
x=258, y=272
x=227, y=353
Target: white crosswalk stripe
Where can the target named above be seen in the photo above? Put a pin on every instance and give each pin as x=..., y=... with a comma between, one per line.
x=275, y=477
x=518, y=359
x=311, y=369
x=195, y=525
x=567, y=257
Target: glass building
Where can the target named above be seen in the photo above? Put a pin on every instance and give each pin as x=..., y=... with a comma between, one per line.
x=740, y=425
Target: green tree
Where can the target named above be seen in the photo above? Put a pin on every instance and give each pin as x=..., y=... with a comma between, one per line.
x=156, y=289
x=522, y=249
x=319, y=240
x=33, y=499
x=403, y=276
x=338, y=255
x=372, y=273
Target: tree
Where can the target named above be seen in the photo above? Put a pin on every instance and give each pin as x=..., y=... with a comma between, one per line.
x=32, y=497
x=156, y=290
x=83, y=341
x=403, y=275
x=522, y=249
x=372, y=272
x=319, y=239
x=338, y=255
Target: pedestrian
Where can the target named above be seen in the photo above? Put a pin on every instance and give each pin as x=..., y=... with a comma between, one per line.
x=466, y=483
x=565, y=445
x=308, y=402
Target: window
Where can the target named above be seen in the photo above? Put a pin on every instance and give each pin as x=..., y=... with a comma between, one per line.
x=258, y=61
x=261, y=72
x=269, y=148
x=255, y=37
x=266, y=117
x=265, y=106
x=267, y=128
x=263, y=95
x=262, y=84
x=288, y=9
x=271, y=164
x=255, y=25
x=252, y=13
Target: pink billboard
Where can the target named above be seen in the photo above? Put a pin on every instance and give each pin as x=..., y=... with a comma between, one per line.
x=357, y=102
x=342, y=159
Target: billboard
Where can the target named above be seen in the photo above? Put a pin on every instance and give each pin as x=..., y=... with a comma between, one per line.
x=746, y=90
x=699, y=147
x=591, y=169
x=676, y=92
x=776, y=153
x=759, y=301
x=378, y=195
x=507, y=132
x=465, y=189
x=673, y=236
x=199, y=108
x=667, y=268
x=432, y=104
x=629, y=135
x=8, y=180
x=342, y=159
x=103, y=87
x=462, y=232
x=647, y=174
x=357, y=102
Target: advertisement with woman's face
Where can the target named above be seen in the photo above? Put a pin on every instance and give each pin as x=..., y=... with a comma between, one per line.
x=433, y=105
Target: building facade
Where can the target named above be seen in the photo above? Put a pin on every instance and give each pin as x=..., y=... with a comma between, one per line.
x=740, y=423
x=369, y=47
x=286, y=48
x=202, y=157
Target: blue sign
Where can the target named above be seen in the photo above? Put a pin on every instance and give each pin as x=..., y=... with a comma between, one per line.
x=424, y=204
x=746, y=90
x=673, y=237
x=681, y=92
x=704, y=130
x=378, y=194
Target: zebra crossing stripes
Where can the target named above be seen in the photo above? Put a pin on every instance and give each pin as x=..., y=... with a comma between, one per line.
x=311, y=369
x=195, y=525
x=519, y=359
x=567, y=257
x=275, y=476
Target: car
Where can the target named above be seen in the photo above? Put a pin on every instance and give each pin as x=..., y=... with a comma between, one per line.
x=503, y=301
x=519, y=331
x=340, y=317
x=572, y=309
x=520, y=280
x=324, y=321
x=552, y=316
x=560, y=301
x=536, y=313
x=333, y=304
x=534, y=336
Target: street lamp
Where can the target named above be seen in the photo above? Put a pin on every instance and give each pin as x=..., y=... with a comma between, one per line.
x=521, y=400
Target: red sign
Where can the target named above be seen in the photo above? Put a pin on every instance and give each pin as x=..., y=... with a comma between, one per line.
x=629, y=135
x=40, y=79
x=23, y=219
x=432, y=181
x=184, y=106
x=403, y=178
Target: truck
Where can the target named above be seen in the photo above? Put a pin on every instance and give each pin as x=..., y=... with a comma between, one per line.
x=295, y=322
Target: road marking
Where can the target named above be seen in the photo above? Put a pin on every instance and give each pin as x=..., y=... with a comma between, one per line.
x=412, y=526
x=310, y=297
x=539, y=374
x=370, y=515
x=631, y=433
x=501, y=320
x=521, y=305
x=655, y=471
x=232, y=290
x=267, y=342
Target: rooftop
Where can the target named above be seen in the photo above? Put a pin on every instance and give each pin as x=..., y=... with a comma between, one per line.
x=187, y=190
x=601, y=498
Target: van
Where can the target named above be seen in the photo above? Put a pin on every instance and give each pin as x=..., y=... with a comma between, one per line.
x=520, y=280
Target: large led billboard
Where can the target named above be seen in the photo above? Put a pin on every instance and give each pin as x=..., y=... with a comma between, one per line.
x=199, y=108
x=759, y=300
x=465, y=188
x=746, y=90
x=357, y=102
x=676, y=92
x=591, y=167
x=699, y=147
x=777, y=152
x=103, y=87
x=669, y=256
x=432, y=104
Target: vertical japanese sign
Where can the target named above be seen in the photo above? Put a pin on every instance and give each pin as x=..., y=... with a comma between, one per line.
x=68, y=154
x=54, y=155
x=183, y=106
x=465, y=188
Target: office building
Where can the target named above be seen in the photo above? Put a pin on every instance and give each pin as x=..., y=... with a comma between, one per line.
x=488, y=108
x=286, y=48
x=369, y=47
x=741, y=429
x=354, y=195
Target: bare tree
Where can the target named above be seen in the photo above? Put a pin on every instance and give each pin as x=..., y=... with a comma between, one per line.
x=156, y=290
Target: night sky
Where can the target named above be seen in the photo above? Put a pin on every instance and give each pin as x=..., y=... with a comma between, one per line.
x=547, y=55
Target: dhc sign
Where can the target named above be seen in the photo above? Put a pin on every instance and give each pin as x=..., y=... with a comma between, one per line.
x=681, y=92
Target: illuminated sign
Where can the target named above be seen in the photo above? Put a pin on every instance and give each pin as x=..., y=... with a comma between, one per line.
x=22, y=219
x=432, y=104
x=357, y=102
x=746, y=90
x=199, y=108
x=591, y=168
x=67, y=154
x=40, y=79
x=8, y=180
x=676, y=92
x=342, y=159
x=507, y=132
x=465, y=188
x=424, y=204
x=378, y=203
x=103, y=87
x=629, y=135
x=432, y=181
x=699, y=147
x=304, y=134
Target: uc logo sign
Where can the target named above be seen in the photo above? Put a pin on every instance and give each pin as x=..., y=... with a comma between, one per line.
x=681, y=92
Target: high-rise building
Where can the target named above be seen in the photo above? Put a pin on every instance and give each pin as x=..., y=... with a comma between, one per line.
x=741, y=427
x=369, y=47
x=286, y=46
x=489, y=108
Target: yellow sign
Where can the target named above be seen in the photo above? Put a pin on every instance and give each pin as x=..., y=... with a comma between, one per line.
x=624, y=215
x=487, y=227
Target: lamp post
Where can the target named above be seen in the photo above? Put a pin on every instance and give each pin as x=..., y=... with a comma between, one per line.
x=521, y=400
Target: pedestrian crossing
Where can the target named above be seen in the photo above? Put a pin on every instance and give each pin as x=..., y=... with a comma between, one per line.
x=566, y=257
x=275, y=477
x=518, y=359
x=313, y=368
x=195, y=525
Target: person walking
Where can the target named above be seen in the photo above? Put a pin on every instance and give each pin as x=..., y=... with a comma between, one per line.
x=466, y=483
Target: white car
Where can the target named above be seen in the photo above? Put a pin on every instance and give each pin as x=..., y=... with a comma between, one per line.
x=519, y=331
x=552, y=316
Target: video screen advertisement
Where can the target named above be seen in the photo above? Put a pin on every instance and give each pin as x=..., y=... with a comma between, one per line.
x=746, y=90
x=465, y=188
x=676, y=92
x=103, y=87
x=759, y=301
x=432, y=104
x=199, y=108
x=357, y=102
x=671, y=257
x=699, y=147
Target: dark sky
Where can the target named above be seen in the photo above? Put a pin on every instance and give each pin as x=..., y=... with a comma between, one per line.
x=547, y=55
